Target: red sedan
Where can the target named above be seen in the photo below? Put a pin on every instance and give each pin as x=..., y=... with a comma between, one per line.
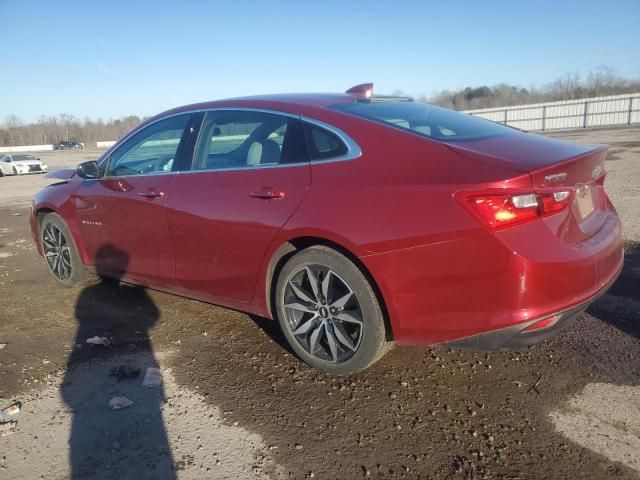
x=354, y=220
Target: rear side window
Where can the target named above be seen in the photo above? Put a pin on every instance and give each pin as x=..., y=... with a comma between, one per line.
x=228, y=136
x=235, y=139
x=426, y=120
x=322, y=143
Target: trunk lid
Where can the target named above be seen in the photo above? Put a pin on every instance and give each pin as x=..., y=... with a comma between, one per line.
x=552, y=164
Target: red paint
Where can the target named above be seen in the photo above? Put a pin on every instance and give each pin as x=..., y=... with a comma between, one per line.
x=220, y=231
x=442, y=273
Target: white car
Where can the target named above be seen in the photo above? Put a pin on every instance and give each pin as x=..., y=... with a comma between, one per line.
x=19, y=164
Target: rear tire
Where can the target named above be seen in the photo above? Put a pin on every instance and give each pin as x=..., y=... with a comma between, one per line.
x=60, y=252
x=329, y=313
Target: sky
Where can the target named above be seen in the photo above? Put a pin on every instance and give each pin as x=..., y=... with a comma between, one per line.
x=113, y=58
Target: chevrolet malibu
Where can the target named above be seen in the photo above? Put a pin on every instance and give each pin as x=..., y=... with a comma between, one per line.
x=356, y=221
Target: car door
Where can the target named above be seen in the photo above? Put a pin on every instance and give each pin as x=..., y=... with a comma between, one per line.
x=250, y=173
x=128, y=202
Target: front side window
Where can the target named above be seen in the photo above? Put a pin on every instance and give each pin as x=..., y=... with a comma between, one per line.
x=426, y=120
x=151, y=150
x=232, y=139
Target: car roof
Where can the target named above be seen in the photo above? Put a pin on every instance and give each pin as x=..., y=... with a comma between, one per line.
x=291, y=102
x=318, y=100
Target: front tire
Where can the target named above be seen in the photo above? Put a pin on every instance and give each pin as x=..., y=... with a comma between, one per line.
x=329, y=313
x=15, y=171
x=60, y=252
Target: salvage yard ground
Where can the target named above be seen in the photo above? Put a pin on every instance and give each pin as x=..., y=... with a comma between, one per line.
x=235, y=403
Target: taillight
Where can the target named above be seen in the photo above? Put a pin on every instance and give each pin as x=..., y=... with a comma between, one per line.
x=555, y=201
x=497, y=209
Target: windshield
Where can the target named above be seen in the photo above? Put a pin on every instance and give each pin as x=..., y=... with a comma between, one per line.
x=426, y=120
x=23, y=157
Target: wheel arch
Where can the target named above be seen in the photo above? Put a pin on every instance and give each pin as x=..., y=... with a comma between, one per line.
x=290, y=247
x=42, y=210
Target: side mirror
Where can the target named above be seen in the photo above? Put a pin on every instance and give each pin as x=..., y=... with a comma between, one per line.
x=88, y=170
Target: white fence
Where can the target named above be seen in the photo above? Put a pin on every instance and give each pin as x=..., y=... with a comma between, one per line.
x=43, y=148
x=26, y=148
x=569, y=114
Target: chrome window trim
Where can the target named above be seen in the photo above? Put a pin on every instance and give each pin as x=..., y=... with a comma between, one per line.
x=252, y=109
x=242, y=169
x=353, y=149
x=150, y=174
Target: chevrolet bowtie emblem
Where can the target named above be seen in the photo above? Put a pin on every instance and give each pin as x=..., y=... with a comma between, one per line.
x=597, y=170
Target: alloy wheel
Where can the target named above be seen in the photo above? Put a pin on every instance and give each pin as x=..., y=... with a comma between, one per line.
x=57, y=252
x=323, y=313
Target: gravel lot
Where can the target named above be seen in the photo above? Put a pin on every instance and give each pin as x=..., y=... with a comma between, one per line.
x=235, y=403
x=20, y=190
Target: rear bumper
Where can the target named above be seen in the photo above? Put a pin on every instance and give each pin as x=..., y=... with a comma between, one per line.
x=479, y=284
x=517, y=335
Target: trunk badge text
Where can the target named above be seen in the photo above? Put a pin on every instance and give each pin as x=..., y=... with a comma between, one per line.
x=556, y=177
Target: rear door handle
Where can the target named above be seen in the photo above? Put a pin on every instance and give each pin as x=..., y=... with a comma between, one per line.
x=151, y=194
x=266, y=194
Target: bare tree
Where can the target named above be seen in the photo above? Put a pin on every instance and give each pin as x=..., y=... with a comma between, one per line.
x=600, y=81
x=13, y=126
x=51, y=129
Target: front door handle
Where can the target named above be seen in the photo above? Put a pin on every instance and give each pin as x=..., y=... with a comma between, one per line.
x=266, y=194
x=151, y=194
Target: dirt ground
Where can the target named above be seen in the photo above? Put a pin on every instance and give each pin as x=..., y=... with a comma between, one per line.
x=20, y=190
x=235, y=403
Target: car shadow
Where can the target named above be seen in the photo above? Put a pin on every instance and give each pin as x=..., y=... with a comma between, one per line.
x=105, y=442
x=620, y=306
x=273, y=330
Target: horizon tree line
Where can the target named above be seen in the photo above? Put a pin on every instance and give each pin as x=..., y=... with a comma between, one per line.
x=602, y=81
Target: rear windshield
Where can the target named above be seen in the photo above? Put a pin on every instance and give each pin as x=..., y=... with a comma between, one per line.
x=426, y=120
